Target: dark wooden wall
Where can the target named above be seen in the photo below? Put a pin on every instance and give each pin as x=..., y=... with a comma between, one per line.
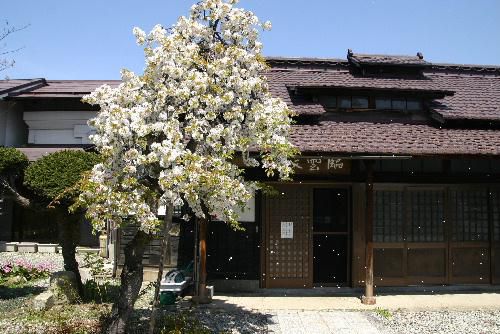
x=233, y=254
x=230, y=254
x=436, y=234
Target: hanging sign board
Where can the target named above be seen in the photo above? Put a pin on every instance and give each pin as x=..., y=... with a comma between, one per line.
x=286, y=230
x=322, y=165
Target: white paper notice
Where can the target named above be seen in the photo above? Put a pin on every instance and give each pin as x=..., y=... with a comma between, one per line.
x=286, y=230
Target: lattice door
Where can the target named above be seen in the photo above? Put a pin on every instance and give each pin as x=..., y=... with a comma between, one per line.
x=288, y=260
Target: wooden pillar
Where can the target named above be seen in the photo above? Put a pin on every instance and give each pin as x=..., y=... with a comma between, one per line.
x=368, y=297
x=201, y=296
x=202, y=289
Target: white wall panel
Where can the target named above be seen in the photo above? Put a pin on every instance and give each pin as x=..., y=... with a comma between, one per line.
x=58, y=127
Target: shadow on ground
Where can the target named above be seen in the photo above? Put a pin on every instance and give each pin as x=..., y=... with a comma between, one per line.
x=8, y=292
x=215, y=318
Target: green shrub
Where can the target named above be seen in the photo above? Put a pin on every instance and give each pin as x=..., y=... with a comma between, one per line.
x=98, y=289
x=12, y=161
x=58, y=172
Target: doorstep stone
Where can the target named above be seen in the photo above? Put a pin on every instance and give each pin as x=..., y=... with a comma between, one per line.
x=83, y=250
x=8, y=246
x=47, y=248
x=27, y=247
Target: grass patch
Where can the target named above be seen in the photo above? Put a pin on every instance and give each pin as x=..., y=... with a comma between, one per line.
x=383, y=312
x=68, y=319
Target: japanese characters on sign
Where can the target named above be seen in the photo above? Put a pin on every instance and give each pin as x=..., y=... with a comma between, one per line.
x=286, y=230
x=317, y=165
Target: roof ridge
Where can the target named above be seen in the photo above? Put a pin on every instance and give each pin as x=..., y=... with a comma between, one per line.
x=383, y=55
x=28, y=85
x=312, y=60
x=80, y=80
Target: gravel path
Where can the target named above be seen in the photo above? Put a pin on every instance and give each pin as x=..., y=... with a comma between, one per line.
x=452, y=322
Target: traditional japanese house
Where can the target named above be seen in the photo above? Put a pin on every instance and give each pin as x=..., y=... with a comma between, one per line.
x=398, y=182
x=399, y=176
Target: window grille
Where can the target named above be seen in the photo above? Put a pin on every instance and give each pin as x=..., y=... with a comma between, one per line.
x=495, y=203
x=470, y=215
x=388, y=216
x=426, y=216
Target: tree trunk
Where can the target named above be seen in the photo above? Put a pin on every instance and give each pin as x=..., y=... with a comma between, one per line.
x=131, y=281
x=68, y=238
x=165, y=244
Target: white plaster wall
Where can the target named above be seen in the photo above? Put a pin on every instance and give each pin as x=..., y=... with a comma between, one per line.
x=58, y=127
x=13, y=130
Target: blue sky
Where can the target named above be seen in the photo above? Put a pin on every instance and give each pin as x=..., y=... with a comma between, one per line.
x=92, y=39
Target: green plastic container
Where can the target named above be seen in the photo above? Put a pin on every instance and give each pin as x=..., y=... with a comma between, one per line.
x=167, y=298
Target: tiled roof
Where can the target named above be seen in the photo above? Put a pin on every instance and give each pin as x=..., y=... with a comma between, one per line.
x=67, y=88
x=393, y=138
x=476, y=96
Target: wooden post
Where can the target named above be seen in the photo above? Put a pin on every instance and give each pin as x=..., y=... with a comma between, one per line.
x=203, y=258
x=368, y=298
x=201, y=295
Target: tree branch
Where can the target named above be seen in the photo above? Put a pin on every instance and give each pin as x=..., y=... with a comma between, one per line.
x=10, y=191
x=10, y=30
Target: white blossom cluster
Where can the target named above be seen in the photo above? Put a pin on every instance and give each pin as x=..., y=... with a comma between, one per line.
x=175, y=133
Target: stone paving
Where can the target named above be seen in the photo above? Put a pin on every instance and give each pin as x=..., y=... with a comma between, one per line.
x=455, y=301
x=290, y=312
x=320, y=322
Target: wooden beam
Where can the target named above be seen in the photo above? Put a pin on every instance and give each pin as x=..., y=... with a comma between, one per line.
x=368, y=297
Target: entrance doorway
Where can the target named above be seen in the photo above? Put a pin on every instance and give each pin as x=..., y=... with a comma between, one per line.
x=331, y=237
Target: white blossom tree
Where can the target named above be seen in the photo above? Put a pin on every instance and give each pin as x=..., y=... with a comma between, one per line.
x=173, y=135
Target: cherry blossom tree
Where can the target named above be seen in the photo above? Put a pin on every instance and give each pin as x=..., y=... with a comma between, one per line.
x=174, y=135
